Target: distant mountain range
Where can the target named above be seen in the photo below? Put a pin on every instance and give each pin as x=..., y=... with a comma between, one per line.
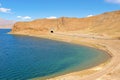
x=6, y=24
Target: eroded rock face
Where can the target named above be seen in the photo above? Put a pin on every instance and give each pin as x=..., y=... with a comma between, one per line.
x=107, y=23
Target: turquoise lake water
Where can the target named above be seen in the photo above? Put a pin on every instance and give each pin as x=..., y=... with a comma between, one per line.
x=24, y=57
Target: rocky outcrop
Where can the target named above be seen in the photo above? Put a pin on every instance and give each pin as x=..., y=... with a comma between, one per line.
x=106, y=23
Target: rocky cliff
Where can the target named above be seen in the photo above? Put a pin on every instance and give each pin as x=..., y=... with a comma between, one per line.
x=106, y=23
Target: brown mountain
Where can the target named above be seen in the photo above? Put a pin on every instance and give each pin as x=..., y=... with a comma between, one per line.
x=103, y=24
x=6, y=24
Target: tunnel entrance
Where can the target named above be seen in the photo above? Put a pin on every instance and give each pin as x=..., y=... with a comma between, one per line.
x=52, y=31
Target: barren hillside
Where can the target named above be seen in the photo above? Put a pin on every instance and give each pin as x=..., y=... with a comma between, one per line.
x=103, y=24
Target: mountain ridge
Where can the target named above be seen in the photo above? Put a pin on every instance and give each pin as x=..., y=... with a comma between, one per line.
x=6, y=24
x=103, y=24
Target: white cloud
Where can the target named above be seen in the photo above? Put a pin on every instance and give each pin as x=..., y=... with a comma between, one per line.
x=5, y=10
x=19, y=16
x=24, y=17
x=27, y=17
x=113, y=1
x=51, y=17
x=90, y=15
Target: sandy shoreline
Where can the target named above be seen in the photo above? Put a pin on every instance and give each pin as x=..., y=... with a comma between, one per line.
x=109, y=70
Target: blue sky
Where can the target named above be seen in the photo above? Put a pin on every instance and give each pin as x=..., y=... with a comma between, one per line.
x=34, y=9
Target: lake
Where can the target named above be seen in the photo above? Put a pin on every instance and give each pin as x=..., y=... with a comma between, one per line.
x=24, y=57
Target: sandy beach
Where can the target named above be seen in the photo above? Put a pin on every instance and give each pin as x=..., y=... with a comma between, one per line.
x=94, y=25
x=110, y=70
